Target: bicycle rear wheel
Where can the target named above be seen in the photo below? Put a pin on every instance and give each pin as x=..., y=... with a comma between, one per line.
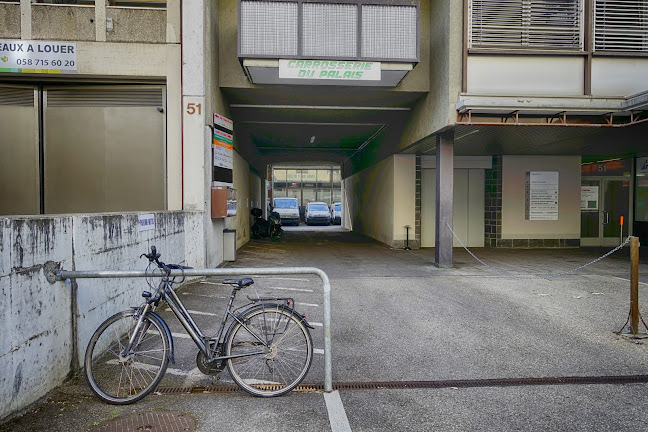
x=284, y=362
x=122, y=380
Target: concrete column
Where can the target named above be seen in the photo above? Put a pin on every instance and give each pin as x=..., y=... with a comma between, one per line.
x=100, y=20
x=444, y=189
x=25, y=20
x=195, y=148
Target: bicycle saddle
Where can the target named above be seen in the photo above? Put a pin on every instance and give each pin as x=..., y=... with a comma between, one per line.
x=241, y=283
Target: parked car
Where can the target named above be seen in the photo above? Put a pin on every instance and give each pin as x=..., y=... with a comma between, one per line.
x=318, y=212
x=336, y=213
x=288, y=210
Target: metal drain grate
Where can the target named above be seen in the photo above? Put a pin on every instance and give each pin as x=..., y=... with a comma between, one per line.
x=403, y=385
x=169, y=421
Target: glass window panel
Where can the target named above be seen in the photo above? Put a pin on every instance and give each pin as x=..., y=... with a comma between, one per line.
x=642, y=198
x=324, y=195
x=323, y=178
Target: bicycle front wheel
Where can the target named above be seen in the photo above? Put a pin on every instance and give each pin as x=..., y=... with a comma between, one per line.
x=122, y=379
x=281, y=362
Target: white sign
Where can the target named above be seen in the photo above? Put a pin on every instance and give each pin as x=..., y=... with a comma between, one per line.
x=223, y=122
x=329, y=70
x=642, y=165
x=223, y=150
x=146, y=222
x=542, y=195
x=24, y=56
x=589, y=198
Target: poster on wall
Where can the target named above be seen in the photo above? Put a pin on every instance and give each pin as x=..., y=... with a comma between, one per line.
x=542, y=195
x=223, y=150
x=642, y=166
x=589, y=198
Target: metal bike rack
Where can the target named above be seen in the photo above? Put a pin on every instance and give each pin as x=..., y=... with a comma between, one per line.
x=326, y=286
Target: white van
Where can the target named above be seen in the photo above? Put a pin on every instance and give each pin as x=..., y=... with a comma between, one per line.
x=288, y=210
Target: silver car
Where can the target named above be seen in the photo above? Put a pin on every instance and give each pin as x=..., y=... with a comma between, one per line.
x=318, y=212
x=336, y=213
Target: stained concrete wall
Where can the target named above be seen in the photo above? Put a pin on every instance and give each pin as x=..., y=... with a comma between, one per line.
x=46, y=324
x=445, y=40
x=382, y=199
x=60, y=22
x=9, y=21
x=514, y=224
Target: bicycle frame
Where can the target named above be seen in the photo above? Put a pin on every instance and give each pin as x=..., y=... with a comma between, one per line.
x=206, y=345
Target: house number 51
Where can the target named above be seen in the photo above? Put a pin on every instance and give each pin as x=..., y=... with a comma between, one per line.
x=193, y=108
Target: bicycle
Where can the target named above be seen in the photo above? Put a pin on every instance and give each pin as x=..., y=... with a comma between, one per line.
x=267, y=347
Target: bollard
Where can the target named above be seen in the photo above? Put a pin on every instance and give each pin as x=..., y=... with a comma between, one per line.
x=631, y=326
x=634, y=285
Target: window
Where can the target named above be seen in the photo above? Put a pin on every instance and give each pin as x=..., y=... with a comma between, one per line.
x=526, y=24
x=621, y=25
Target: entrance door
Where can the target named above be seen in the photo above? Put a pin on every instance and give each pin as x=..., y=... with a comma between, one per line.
x=604, y=201
x=467, y=208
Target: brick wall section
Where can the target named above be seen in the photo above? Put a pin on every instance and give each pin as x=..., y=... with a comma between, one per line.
x=493, y=205
x=417, y=206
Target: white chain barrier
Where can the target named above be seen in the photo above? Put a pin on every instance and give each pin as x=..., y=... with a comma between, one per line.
x=516, y=276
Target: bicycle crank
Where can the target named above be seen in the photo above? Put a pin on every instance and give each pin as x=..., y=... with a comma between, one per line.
x=213, y=367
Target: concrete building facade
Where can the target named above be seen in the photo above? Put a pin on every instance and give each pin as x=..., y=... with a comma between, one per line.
x=509, y=124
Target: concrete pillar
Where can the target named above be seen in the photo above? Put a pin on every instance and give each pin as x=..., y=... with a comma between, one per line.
x=100, y=20
x=444, y=189
x=25, y=19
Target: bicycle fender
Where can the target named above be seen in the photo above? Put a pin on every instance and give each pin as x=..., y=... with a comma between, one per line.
x=168, y=333
x=299, y=316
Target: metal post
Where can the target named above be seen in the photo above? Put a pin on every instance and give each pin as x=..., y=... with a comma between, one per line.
x=634, y=285
x=326, y=287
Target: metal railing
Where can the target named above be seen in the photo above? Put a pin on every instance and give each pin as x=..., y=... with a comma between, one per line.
x=250, y=271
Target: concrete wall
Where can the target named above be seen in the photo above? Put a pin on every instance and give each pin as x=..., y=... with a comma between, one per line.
x=61, y=22
x=381, y=199
x=437, y=109
x=9, y=21
x=46, y=326
x=525, y=75
x=137, y=25
x=514, y=224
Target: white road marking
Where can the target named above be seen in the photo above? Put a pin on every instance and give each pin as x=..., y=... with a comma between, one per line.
x=283, y=278
x=197, y=312
x=316, y=324
x=627, y=280
x=318, y=351
x=152, y=368
x=337, y=415
x=203, y=295
x=291, y=289
x=307, y=304
x=181, y=335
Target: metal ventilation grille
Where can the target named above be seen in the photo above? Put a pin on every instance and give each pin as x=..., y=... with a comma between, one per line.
x=338, y=22
x=104, y=97
x=268, y=28
x=389, y=32
x=538, y=24
x=17, y=96
x=621, y=25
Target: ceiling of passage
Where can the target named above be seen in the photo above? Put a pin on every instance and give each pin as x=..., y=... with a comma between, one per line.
x=280, y=124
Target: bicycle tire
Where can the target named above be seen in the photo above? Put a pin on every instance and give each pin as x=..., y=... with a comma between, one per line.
x=124, y=381
x=280, y=369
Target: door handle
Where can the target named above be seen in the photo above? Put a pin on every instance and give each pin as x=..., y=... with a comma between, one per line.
x=606, y=217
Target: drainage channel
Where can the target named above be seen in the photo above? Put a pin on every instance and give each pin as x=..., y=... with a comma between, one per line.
x=402, y=385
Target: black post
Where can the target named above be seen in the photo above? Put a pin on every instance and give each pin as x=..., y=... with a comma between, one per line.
x=407, y=238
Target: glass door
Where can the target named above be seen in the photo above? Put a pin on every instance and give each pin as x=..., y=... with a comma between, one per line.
x=605, y=210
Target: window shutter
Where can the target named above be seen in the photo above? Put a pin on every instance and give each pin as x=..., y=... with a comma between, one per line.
x=534, y=24
x=621, y=25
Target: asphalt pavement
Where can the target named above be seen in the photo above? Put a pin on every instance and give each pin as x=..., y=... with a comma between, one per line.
x=414, y=347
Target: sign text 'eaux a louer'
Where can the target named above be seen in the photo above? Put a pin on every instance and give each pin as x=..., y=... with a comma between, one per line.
x=23, y=56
